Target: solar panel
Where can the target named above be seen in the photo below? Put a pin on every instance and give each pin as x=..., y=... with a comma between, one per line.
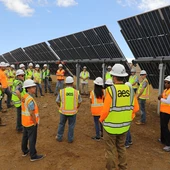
x=20, y=55
x=2, y=59
x=40, y=53
x=9, y=58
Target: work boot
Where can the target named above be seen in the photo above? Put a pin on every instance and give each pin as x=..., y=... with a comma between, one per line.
x=1, y=124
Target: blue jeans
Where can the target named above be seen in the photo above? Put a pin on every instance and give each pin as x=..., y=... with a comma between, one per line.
x=47, y=84
x=142, y=103
x=9, y=95
x=19, y=125
x=98, y=126
x=128, y=138
x=40, y=88
x=71, y=125
x=59, y=85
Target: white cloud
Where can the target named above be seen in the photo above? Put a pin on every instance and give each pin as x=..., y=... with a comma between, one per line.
x=42, y=2
x=144, y=5
x=21, y=7
x=66, y=3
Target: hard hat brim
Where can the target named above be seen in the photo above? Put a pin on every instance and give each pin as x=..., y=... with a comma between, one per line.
x=32, y=85
x=119, y=75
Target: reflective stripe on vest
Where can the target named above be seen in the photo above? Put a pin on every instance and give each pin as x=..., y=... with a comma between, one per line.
x=145, y=94
x=120, y=115
x=132, y=80
x=69, y=101
x=45, y=73
x=84, y=75
x=94, y=102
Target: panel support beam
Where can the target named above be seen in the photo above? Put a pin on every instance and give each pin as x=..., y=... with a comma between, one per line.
x=103, y=73
x=77, y=76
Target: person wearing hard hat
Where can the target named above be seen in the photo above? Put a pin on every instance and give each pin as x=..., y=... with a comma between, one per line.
x=60, y=78
x=13, y=73
x=142, y=96
x=84, y=76
x=37, y=76
x=22, y=66
x=108, y=76
x=29, y=71
x=165, y=115
x=133, y=79
x=116, y=117
x=69, y=101
x=96, y=100
x=108, y=83
x=17, y=93
x=30, y=121
x=45, y=77
x=4, y=83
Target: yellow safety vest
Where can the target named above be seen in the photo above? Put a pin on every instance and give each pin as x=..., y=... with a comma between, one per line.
x=108, y=76
x=1, y=95
x=120, y=115
x=69, y=101
x=37, y=76
x=132, y=80
x=84, y=75
x=29, y=74
x=145, y=94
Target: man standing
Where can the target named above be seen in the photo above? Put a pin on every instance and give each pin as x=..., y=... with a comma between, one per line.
x=30, y=121
x=29, y=72
x=60, y=78
x=116, y=117
x=84, y=76
x=142, y=96
x=69, y=101
x=45, y=76
x=108, y=76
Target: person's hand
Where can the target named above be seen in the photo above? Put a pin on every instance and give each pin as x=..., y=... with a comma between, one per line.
x=159, y=97
x=22, y=100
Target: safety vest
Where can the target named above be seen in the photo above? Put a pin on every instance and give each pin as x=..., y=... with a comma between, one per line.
x=15, y=99
x=1, y=94
x=69, y=101
x=45, y=73
x=97, y=104
x=108, y=76
x=145, y=94
x=165, y=108
x=3, y=79
x=132, y=80
x=37, y=76
x=26, y=116
x=120, y=115
x=84, y=75
x=9, y=73
x=29, y=74
x=60, y=74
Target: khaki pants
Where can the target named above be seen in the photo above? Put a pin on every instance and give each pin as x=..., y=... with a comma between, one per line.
x=84, y=88
x=115, y=144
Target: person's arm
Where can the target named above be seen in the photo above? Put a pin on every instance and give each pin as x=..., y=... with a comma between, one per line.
x=79, y=101
x=58, y=100
x=31, y=108
x=145, y=84
x=167, y=100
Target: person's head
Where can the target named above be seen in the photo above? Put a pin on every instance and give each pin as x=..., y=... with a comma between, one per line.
x=12, y=66
x=45, y=66
x=60, y=66
x=3, y=66
x=7, y=66
x=108, y=83
x=167, y=82
x=69, y=81
x=29, y=86
x=133, y=71
x=109, y=68
x=98, y=87
x=84, y=68
x=20, y=74
x=37, y=66
x=22, y=66
x=30, y=65
x=118, y=73
x=143, y=74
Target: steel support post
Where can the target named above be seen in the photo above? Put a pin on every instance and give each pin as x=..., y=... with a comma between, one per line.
x=103, y=73
x=77, y=76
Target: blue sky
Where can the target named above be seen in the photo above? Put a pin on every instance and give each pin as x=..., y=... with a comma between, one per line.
x=28, y=22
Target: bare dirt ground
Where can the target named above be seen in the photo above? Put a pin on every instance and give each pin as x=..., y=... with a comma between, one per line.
x=83, y=154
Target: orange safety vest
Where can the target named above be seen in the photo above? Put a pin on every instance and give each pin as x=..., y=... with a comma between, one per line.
x=60, y=74
x=3, y=79
x=26, y=116
x=165, y=108
x=97, y=104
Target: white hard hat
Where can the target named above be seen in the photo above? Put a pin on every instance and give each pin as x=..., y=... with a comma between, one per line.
x=84, y=67
x=60, y=65
x=167, y=78
x=19, y=72
x=3, y=64
x=45, y=65
x=133, y=70
x=12, y=65
x=28, y=83
x=118, y=70
x=143, y=72
x=30, y=64
x=69, y=80
x=7, y=64
x=98, y=81
x=21, y=65
x=37, y=65
x=129, y=84
x=109, y=82
x=109, y=67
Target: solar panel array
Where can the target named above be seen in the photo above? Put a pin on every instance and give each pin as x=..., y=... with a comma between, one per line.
x=8, y=57
x=148, y=35
x=2, y=59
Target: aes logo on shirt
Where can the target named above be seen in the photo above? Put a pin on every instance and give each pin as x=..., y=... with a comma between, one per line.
x=123, y=93
x=69, y=94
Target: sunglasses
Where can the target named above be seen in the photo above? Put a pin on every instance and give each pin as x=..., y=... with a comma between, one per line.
x=166, y=82
x=142, y=74
x=22, y=75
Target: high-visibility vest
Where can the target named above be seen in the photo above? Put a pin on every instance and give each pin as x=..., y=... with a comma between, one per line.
x=97, y=104
x=37, y=76
x=120, y=115
x=45, y=73
x=84, y=74
x=1, y=94
x=15, y=99
x=26, y=117
x=69, y=101
x=132, y=80
x=60, y=74
x=3, y=79
x=145, y=94
x=165, y=108
x=108, y=76
x=9, y=73
x=29, y=74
